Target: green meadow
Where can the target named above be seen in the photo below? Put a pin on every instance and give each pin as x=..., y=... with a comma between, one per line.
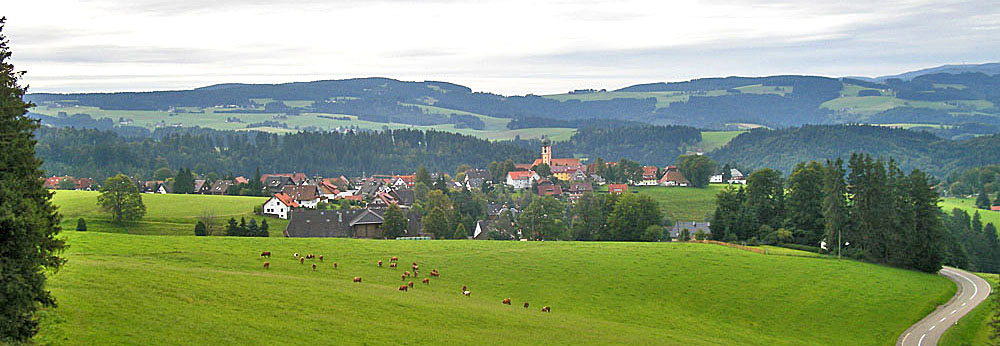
x=131, y=289
x=969, y=205
x=711, y=140
x=680, y=203
x=165, y=214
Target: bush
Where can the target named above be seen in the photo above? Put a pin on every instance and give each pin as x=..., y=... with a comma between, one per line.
x=652, y=233
x=700, y=235
x=81, y=226
x=199, y=229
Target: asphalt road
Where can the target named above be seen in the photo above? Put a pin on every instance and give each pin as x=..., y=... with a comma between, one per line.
x=972, y=290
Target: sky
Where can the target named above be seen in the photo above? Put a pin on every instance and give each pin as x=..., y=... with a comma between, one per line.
x=505, y=47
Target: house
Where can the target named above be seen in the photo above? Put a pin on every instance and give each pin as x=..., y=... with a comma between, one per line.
x=475, y=178
x=163, y=188
x=356, y=223
x=306, y=196
x=579, y=175
x=648, y=176
x=578, y=189
x=521, y=179
x=617, y=189
x=551, y=162
x=404, y=197
x=275, y=184
x=674, y=177
x=398, y=181
x=691, y=228
x=53, y=182
x=384, y=199
x=565, y=173
x=200, y=187
x=549, y=190
x=736, y=177
x=279, y=205
x=715, y=179
x=220, y=187
x=370, y=188
x=297, y=178
x=328, y=190
x=85, y=184
x=494, y=230
x=995, y=208
x=241, y=180
x=599, y=180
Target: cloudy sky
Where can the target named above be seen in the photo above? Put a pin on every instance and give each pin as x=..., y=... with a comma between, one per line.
x=508, y=47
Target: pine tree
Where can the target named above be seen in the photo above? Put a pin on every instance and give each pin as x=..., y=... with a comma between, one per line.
x=264, y=228
x=804, y=203
x=835, y=207
x=983, y=200
x=460, y=232
x=81, y=225
x=232, y=228
x=925, y=251
x=28, y=222
x=184, y=181
x=766, y=196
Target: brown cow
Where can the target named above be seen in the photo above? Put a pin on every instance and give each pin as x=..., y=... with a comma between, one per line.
x=334, y=265
x=393, y=259
x=404, y=288
x=357, y=279
x=392, y=264
x=435, y=273
x=506, y=301
x=546, y=309
x=464, y=288
x=380, y=263
x=525, y=305
x=267, y=265
x=314, y=267
x=407, y=273
x=266, y=254
x=402, y=277
x=426, y=281
x=414, y=264
x=321, y=258
x=302, y=260
x=410, y=284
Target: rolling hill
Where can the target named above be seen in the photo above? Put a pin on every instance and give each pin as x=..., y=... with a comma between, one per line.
x=124, y=289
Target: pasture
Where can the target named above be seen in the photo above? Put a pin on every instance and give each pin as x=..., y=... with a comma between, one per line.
x=711, y=140
x=680, y=203
x=969, y=205
x=165, y=214
x=129, y=289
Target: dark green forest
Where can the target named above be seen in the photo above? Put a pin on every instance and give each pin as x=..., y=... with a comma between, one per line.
x=783, y=149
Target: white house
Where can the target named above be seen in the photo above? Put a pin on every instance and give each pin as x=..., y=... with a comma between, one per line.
x=521, y=179
x=279, y=205
x=715, y=179
x=736, y=177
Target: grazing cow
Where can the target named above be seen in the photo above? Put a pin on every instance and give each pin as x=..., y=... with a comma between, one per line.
x=410, y=284
x=380, y=264
x=302, y=260
x=393, y=259
x=266, y=254
x=334, y=265
x=414, y=264
x=426, y=281
x=406, y=273
x=404, y=288
x=525, y=305
x=435, y=273
x=546, y=309
x=506, y=301
x=392, y=265
x=402, y=277
x=267, y=265
x=311, y=256
x=464, y=288
x=296, y=255
x=357, y=279
x=321, y=258
x=314, y=267
x=467, y=293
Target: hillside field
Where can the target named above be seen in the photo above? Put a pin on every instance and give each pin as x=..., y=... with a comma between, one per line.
x=165, y=214
x=969, y=205
x=131, y=289
x=680, y=203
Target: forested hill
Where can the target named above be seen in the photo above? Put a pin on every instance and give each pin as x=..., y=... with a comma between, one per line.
x=782, y=149
x=99, y=154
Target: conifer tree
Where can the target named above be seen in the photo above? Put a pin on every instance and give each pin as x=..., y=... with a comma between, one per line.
x=835, y=208
x=460, y=232
x=28, y=221
x=81, y=225
x=805, y=203
x=983, y=200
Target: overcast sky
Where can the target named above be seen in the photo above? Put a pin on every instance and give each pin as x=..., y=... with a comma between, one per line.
x=508, y=47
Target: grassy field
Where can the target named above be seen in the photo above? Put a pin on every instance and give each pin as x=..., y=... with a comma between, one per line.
x=972, y=329
x=128, y=289
x=969, y=205
x=165, y=214
x=711, y=140
x=680, y=203
x=868, y=105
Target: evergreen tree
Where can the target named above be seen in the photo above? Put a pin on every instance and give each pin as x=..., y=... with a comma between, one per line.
x=993, y=243
x=256, y=186
x=252, y=230
x=200, y=229
x=423, y=176
x=81, y=225
x=729, y=205
x=232, y=228
x=983, y=200
x=766, y=196
x=395, y=223
x=996, y=202
x=836, y=215
x=460, y=232
x=805, y=203
x=184, y=181
x=120, y=197
x=925, y=251
x=28, y=223
x=264, y=228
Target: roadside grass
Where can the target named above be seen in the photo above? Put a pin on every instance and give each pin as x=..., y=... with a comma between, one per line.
x=129, y=289
x=973, y=328
x=165, y=214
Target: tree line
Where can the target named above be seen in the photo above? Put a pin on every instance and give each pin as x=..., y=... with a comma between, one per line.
x=871, y=210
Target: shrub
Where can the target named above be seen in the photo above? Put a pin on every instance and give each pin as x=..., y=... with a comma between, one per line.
x=81, y=225
x=199, y=229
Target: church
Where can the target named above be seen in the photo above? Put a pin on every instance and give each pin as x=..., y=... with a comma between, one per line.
x=551, y=162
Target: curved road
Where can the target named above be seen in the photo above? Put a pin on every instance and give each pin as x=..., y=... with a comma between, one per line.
x=972, y=290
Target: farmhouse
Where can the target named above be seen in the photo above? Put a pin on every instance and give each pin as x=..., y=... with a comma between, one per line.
x=691, y=228
x=356, y=223
x=494, y=230
x=521, y=179
x=736, y=177
x=220, y=187
x=279, y=205
x=673, y=177
x=578, y=189
x=617, y=189
x=200, y=187
x=296, y=178
x=549, y=189
x=648, y=176
x=305, y=196
x=275, y=184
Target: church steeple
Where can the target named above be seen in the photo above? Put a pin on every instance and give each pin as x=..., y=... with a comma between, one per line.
x=546, y=151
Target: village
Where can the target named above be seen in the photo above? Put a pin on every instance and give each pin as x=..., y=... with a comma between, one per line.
x=355, y=207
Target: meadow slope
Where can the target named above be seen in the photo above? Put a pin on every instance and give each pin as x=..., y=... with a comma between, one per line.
x=129, y=289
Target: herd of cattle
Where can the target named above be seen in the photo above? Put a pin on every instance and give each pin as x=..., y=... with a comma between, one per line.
x=392, y=264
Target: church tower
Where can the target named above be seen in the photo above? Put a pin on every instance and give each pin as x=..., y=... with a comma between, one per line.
x=546, y=152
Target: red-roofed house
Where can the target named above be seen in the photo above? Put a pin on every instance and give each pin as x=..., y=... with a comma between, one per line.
x=617, y=189
x=674, y=178
x=648, y=176
x=995, y=208
x=53, y=182
x=521, y=179
x=297, y=178
x=241, y=180
x=403, y=180
x=279, y=205
x=549, y=190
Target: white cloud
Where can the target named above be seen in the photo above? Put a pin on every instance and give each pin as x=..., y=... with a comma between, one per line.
x=511, y=47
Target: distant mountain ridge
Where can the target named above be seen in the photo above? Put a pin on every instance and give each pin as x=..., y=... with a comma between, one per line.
x=991, y=68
